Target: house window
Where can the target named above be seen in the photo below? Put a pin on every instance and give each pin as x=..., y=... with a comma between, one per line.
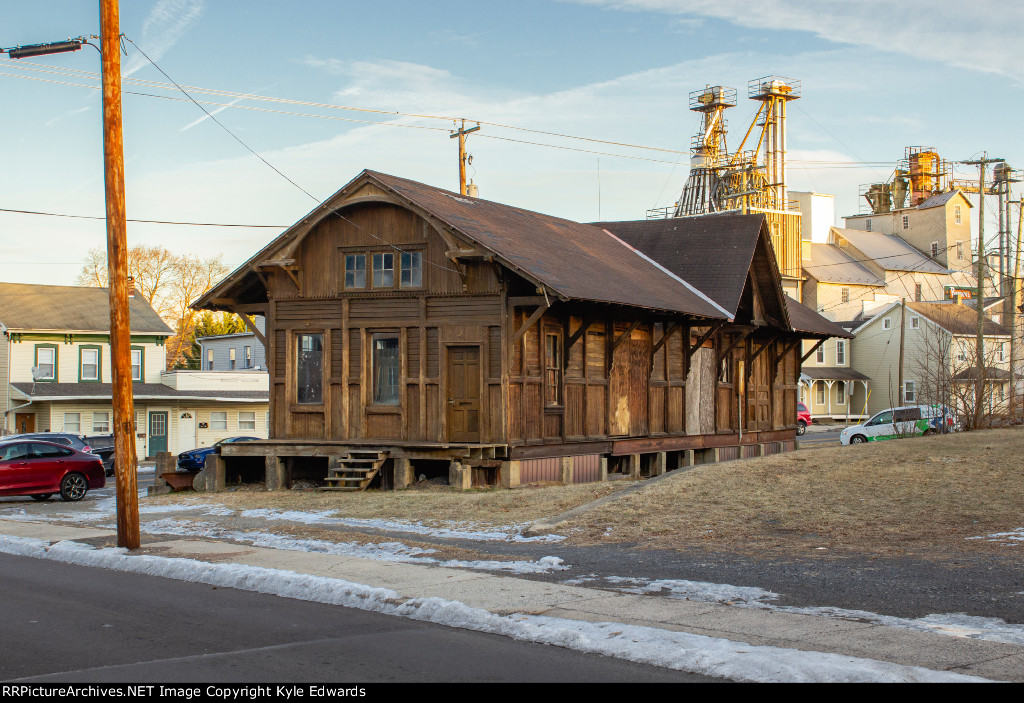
x=231, y=358
x=820, y=355
x=218, y=420
x=918, y=292
x=385, y=370
x=247, y=421
x=412, y=269
x=935, y=249
x=841, y=393
x=915, y=323
x=820, y=386
x=725, y=369
x=101, y=423
x=309, y=366
x=209, y=360
x=867, y=225
x=137, y=364
x=840, y=353
x=248, y=357
x=845, y=295
x=46, y=360
x=383, y=270
x=956, y=214
x=886, y=323
x=553, y=369
x=355, y=271
x=959, y=251
x=89, y=369
x=1000, y=352
x=961, y=351
x=909, y=392
x=906, y=222
x=73, y=423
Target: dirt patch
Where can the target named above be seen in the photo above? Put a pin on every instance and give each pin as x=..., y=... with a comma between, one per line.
x=431, y=504
x=918, y=497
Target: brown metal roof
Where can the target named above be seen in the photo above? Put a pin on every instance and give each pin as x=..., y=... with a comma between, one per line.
x=575, y=260
x=957, y=319
x=712, y=252
x=25, y=306
x=803, y=319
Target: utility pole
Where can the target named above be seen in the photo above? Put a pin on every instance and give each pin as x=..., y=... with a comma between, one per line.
x=903, y=332
x=461, y=134
x=979, y=387
x=1014, y=311
x=117, y=273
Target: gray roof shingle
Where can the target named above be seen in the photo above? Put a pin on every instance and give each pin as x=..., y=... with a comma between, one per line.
x=25, y=306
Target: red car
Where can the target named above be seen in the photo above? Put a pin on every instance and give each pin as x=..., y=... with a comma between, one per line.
x=40, y=469
x=803, y=418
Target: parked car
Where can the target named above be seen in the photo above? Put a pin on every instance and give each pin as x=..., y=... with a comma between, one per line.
x=103, y=447
x=906, y=421
x=40, y=469
x=194, y=459
x=100, y=445
x=803, y=418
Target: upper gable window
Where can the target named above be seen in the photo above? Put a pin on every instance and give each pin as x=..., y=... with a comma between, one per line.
x=355, y=271
x=935, y=249
x=956, y=215
x=383, y=270
x=906, y=222
x=960, y=251
x=412, y=269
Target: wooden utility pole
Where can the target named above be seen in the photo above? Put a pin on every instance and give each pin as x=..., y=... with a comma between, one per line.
x=903, y=332
x=1014, y=311
x=461, y=134
x=117, y=269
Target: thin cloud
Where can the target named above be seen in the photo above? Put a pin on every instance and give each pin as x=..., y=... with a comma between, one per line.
x=166, y=23
x=200, y=120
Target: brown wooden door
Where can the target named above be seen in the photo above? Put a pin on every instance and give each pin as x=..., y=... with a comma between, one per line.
x=463, y=394
x=24, y=422
x=759, y=415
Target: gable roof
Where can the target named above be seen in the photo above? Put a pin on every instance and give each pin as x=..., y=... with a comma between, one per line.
x=888, y=251
x=830, y=264
x=943, y=198
x=569, y=259
x=25, y=306
x=957, y=319
x=712, y=252
x=804, y=319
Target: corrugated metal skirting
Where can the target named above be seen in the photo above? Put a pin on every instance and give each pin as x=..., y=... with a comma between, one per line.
x=586, y=469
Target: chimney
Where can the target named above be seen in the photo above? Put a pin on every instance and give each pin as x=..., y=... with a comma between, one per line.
x=131, y=287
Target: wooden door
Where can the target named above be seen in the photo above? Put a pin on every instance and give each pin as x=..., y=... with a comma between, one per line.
x=463, y=394
x=24, y=423
x=759, y=415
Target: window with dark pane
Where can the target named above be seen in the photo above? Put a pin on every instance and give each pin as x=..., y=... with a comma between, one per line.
x=553, y=369
x=725, y=369
x=355, y=271
x=310, y=369
x=383, y=270
x=412, y=269
x=385, y=370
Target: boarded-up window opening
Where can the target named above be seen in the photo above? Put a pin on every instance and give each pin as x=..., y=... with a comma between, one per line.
x=553, y=369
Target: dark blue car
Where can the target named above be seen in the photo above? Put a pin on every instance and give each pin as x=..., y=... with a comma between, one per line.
x=194, y=459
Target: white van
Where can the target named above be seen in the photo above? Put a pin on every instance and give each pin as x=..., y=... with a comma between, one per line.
x=907, y=421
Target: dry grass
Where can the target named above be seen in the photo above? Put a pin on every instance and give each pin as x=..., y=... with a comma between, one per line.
x=433, y=506
x=919, y=496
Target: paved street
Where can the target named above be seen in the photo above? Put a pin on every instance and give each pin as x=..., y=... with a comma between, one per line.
x=819, y=438
x=74, y=623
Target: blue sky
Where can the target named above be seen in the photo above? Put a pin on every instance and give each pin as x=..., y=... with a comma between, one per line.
x=876, y=78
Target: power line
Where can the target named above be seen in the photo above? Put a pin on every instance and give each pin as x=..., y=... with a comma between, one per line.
x=148, y=222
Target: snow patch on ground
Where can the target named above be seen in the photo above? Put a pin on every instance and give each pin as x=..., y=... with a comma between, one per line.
x=1013, y=538
x=386, y=551
x=675, y=650
x=953, y=624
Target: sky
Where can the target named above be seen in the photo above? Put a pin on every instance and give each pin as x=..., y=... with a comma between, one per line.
x=876, y=77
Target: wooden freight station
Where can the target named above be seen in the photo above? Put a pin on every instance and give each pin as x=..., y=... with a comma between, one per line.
x=414, y=331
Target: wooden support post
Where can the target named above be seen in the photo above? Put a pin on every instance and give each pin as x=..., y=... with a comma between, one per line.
x=127, y=492
x=276, y=472
x=604, y=469
x=403, y=473
x=660, y=466
x=565, y=469
x=510, y=472
x=634, y=465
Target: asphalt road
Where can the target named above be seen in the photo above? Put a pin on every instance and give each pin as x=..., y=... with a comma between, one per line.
x=820, y=439
x=78, y=624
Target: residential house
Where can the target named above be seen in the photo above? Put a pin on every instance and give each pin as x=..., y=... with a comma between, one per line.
x=56, y=343
x=499, y=345
x=243, y=351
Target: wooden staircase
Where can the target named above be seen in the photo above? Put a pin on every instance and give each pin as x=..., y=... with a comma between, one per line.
x=354, y=471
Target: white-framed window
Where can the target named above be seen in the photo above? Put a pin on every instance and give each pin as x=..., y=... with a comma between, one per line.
x=867, y=225
x=101, y=423
x=820, y=386
x=915, y=323
x=961, y=351
x=935, y=249
x=841, y=393
x=73, y=423
x=246, y=420
x=918, y=292
x=909, y=392
x=248, y=357
x=844, y=294
x=886, y=323
x=46, y=360
x=218, y=420
x=209, y=360
x=959, y=251
x=90, y=370
x=841, y=352
x=232, y=353
x=136, y=364
x=820, y=355
x=906, y=222
x=956, y=215
x=1000, y=351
